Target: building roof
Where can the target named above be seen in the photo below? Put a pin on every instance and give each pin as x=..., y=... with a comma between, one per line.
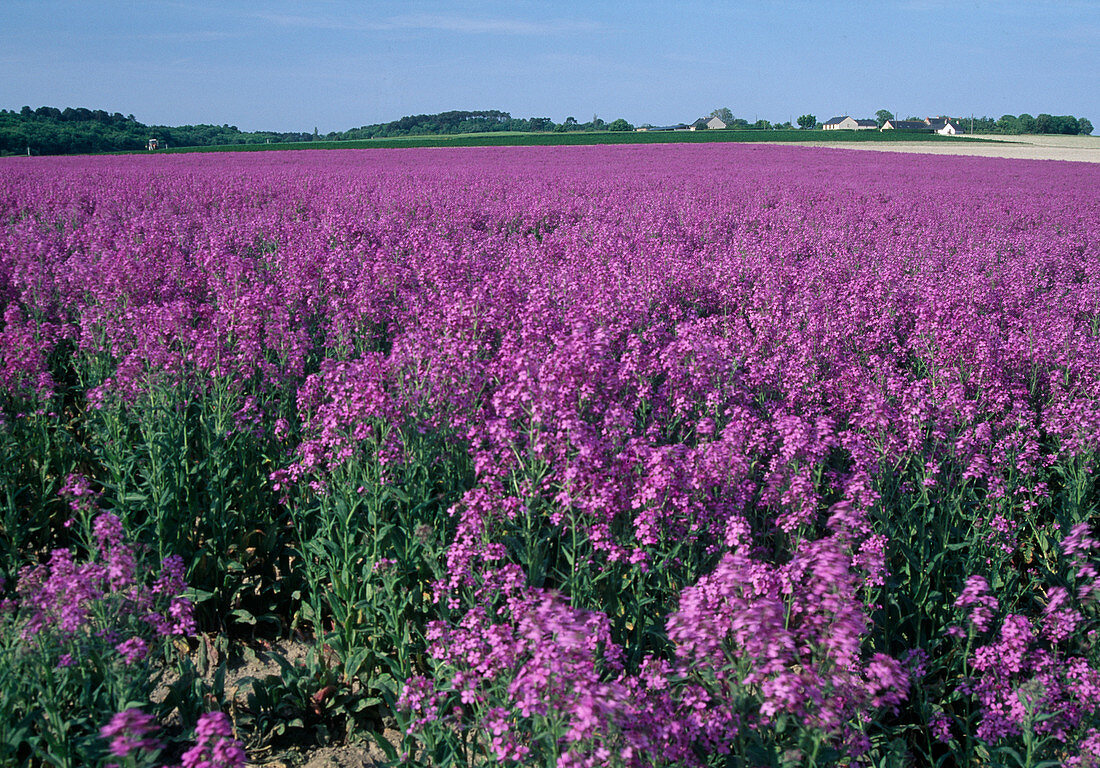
x=836, y=120
x=909, y=125
x=867, y=122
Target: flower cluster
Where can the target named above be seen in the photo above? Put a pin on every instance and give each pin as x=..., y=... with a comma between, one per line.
x=789, y=638
x=1030, y=674
x=214, y=745
x=129, y=731
x=68, y=601
x=535, y=659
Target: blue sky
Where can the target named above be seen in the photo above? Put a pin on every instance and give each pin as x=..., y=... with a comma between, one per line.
x=336, y=64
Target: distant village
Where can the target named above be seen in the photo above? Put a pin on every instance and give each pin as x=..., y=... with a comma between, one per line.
x=941, y=125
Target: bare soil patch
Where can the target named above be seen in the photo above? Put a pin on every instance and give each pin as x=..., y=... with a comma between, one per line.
x=1081, y=149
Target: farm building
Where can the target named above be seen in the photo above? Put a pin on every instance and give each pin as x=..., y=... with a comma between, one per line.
x=950, y=128
x=846, y=123
x=920, y=126
x=677, y=127
x=714, y=123
x=702, y=122
x=941, y=125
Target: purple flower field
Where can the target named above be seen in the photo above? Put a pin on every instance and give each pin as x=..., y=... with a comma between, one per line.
x=676, y=455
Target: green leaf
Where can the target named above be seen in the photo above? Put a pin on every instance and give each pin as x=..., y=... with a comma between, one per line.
x=386, y=682
x=1015, y=755
x=398, y=494
x=243, y=616
x=354, y=662
x=196, y=595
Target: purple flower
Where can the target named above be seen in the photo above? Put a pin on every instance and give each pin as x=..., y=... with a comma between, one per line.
x=129, y=731
x=121, y=567
x=78, y=490
x=1088, y=752
x=132, y=650
x=212, y=724
x=108, y=531
x=940, y=726
x=976, y=596
x=214, y=746
x=171, y=581
x=182, y=612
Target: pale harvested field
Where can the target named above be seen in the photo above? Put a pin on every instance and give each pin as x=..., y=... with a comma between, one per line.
x=1082, y=149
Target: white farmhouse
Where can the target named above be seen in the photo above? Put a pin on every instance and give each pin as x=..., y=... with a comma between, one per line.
x=950, y=128
x=713, y=123
x=839, y=124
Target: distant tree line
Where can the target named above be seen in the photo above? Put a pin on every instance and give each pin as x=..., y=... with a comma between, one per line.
x=1025, y=123
x=53, y=131
x=453, y=122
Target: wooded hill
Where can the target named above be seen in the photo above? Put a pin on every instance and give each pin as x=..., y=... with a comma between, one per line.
x=53, y=131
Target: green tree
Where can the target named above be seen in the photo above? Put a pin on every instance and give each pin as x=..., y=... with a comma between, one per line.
x=724, y=114
x=882, y=116
x=1084, y=126
x=806, y=121
x=620, y=125
x=1008, y=124
x=1067, y=124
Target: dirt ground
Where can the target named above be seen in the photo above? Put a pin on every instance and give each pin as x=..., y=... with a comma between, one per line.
x=353, y=756
x=360, y=755
x=1082, y=149
x=239, y=671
